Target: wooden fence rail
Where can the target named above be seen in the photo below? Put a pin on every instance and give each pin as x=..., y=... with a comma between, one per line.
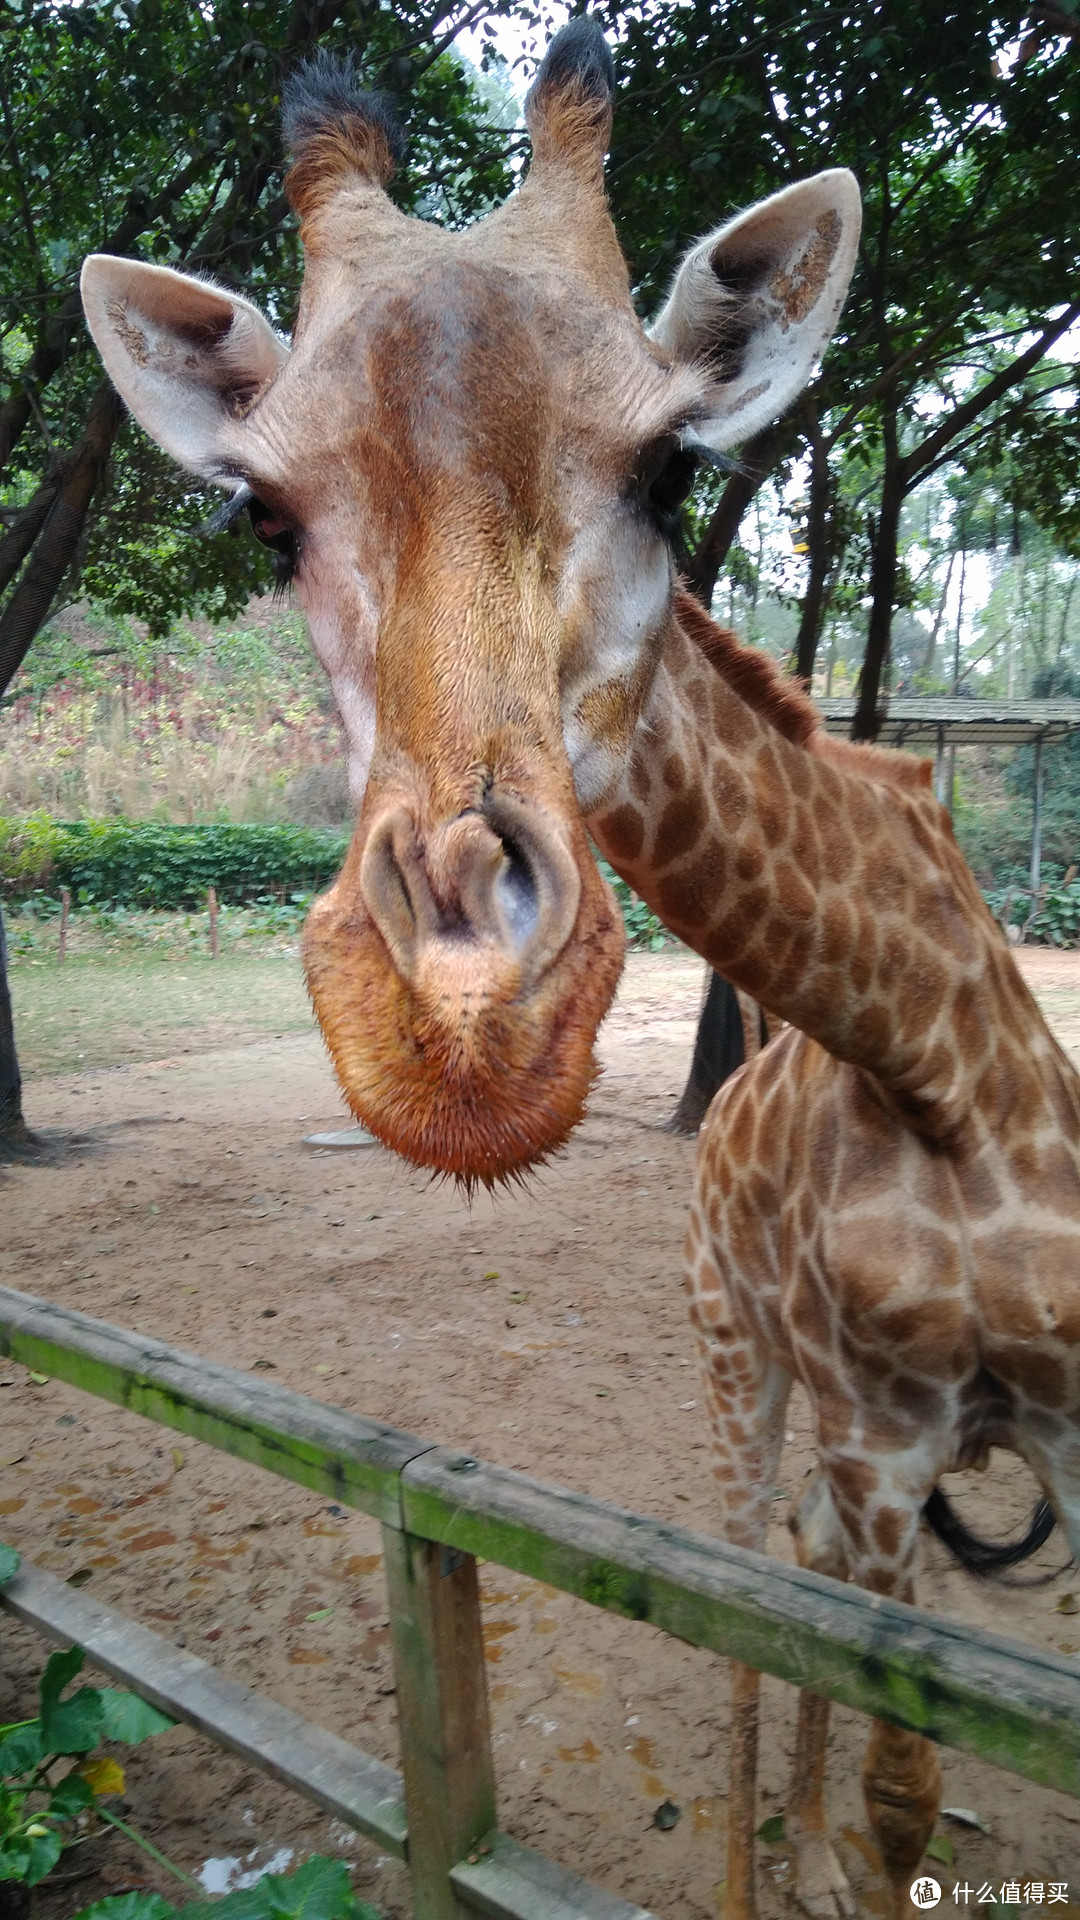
x=1016, y=1707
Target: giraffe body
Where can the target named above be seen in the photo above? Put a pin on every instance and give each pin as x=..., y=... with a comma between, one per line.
x=894, y=1223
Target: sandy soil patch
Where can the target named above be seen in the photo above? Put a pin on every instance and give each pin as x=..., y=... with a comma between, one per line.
x=545, y=1330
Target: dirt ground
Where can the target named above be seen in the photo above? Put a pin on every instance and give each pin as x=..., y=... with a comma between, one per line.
x=545, y=1330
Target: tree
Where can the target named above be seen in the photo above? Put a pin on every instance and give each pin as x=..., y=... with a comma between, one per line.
x=970, y=249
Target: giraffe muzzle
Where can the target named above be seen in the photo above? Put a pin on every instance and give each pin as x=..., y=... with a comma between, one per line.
x=499, y=877
x=460, y=968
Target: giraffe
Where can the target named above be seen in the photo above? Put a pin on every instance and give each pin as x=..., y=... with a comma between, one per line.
x=894, y=1222
x=470, y=457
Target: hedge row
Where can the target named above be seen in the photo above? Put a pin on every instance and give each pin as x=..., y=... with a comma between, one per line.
x=124, y=863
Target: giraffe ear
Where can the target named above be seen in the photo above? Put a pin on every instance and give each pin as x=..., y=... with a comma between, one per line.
x=189, y=358
x=759, y=299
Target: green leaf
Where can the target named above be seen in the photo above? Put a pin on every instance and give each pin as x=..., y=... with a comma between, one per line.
x=45, y=1851
x=68, y=1726
x=9, y=1562
x=126, y=1717
x=14, y=1857
x=129, y=1906
x=21, y=1751
x=59, y=1669
x=941, y=1848
x=772, y=1830
x=319, y=1890
x=70, y=1797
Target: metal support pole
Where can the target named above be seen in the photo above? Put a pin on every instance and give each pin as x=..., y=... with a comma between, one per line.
x=442, y=1706
x=1036, y=824
x=939, y=767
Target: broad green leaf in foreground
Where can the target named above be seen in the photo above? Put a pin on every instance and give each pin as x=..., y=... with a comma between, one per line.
x=126, y=1717
x=68, y=1726
x=319, y=1890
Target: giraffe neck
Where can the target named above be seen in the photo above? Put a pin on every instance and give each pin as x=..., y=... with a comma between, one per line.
x=823, y=879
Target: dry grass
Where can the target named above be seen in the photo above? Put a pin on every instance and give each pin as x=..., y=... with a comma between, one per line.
x=229, y=726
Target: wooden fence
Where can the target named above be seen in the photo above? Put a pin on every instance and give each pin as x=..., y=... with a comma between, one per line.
x=1016, y=1707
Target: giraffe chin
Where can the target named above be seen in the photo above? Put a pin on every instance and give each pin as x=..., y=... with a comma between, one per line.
x=469, y=1068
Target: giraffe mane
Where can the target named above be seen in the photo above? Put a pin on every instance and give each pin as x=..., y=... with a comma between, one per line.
x=749, y=672
x=786, y=706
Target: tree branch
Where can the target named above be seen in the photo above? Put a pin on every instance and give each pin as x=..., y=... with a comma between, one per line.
x=58, y=540
x=915, y=463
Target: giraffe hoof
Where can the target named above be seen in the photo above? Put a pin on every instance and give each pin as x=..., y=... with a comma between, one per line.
x=821, y=1885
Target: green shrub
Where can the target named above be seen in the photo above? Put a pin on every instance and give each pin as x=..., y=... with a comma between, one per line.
x=643, y=929
x=123, y=863
x=1056, y=920
x=116, y=864
x=28, y=850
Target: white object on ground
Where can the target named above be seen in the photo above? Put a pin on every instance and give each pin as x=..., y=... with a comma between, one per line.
x=345, y=1137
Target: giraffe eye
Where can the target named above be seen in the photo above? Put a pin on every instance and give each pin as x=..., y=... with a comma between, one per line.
x=674, y=483
x=665, y=479
x=275, y=533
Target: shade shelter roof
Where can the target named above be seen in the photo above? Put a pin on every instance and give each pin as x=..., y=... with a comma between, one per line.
x=924, y=722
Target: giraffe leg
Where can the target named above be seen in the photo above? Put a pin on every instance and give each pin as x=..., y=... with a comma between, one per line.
x=747, y=1394
x=878, y=1498
x=821, y=1885
x=740, y=1900
x=902, y=1788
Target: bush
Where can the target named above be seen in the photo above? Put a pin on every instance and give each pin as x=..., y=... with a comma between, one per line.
x=123, y=863
x=28, y=851
x=1056, y=920
x=128, y=863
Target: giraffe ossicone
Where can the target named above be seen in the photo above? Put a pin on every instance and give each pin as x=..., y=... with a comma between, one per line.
x=476, y=445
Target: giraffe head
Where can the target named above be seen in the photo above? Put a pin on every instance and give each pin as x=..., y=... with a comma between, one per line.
x=470, y=451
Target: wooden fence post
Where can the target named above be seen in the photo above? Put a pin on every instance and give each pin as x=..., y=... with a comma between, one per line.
x=211, y=901
x=65, y=909
x=442, y=1713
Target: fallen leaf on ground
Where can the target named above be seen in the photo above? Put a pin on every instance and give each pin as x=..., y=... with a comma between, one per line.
x=965, y=1817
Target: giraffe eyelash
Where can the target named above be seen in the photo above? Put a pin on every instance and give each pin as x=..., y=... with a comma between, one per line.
x=283, y=542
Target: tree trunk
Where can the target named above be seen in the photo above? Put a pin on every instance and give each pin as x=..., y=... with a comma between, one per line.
x=931, y=646
x=869, y=711
x=756, y=461
x=820, y=538
x=718, y=1049
x=57, y=544
x=11, y=1114
x=50, y=558
x=23, y=531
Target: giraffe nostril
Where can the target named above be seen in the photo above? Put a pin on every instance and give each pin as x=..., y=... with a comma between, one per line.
x=502, y=876
x=517, y=896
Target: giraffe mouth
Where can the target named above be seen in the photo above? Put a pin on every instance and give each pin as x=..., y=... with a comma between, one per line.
x=460, y=970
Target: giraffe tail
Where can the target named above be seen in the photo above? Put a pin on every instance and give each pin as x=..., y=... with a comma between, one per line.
x=986, y=1556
